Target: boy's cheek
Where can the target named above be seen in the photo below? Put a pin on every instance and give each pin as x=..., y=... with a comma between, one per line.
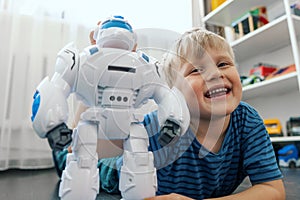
x=180, y=81
x=191, y=96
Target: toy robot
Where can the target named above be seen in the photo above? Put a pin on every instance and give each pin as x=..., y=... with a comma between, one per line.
x=113, y=82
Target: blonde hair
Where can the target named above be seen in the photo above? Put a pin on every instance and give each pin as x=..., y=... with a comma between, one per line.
x=192, y=44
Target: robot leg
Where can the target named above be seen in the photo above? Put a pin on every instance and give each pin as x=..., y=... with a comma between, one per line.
x=80, y=179
x=138, y=174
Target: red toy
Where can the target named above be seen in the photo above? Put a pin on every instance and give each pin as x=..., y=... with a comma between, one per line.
x=282, y=71
x=263, y=70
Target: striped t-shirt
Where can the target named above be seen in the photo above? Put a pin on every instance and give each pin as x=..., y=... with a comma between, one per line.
x=189, y=169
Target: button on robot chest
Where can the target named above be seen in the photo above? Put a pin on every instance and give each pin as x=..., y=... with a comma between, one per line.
x=116, y=97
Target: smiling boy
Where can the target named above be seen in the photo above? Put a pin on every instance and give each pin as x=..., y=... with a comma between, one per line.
x=230, y=141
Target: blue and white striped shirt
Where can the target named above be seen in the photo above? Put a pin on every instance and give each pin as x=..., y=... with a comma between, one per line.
x=189, y=169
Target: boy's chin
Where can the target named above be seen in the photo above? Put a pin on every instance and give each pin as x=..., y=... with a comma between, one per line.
x=218, y=111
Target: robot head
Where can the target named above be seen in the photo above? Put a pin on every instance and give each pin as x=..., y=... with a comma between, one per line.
x=115, y=32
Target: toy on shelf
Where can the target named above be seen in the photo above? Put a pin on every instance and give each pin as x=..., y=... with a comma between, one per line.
x=296, y=8
x=263, y=69
x=282, y=71
x=293, y=126
x=273, y=127
x=216, y=3
x=289, y=156
x=113, y=82
x=252, y=20
x=249, y=80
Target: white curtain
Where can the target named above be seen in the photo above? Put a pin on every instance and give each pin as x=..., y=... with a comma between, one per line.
x=29, y=45
x=156, y=41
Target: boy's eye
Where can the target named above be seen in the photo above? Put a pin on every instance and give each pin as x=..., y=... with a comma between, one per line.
x=223, y=64
x=198, y=70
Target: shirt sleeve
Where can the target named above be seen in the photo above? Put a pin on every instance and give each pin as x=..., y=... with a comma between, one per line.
x=259, y=161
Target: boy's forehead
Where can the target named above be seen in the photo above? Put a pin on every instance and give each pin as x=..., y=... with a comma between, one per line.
x=207, y=56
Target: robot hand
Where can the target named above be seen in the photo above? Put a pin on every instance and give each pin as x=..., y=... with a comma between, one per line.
x=59, y=137
x=169, y=133
x=173, y=115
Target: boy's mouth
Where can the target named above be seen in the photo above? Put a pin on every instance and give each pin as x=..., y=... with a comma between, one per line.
x=216, y=92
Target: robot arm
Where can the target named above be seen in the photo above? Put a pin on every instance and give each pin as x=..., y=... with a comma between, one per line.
x=173, y=114
x=50, y=108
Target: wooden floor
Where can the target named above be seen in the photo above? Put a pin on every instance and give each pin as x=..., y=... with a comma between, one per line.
x=43, y=185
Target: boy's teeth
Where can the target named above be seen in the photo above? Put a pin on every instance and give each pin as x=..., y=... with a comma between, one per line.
x=217, y=91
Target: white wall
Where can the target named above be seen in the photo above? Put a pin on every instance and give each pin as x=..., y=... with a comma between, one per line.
x=167, y=14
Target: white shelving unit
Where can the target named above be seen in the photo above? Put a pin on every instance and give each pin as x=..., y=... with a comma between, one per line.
x=277, y=43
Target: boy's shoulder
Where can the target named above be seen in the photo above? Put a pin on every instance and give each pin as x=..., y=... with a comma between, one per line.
x=246, y=114
x=244, y=107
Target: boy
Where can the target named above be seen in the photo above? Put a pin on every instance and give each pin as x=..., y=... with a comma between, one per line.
x=227, y=140
x=230, y=141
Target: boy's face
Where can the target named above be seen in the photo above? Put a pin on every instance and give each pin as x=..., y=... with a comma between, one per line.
x=211, y=84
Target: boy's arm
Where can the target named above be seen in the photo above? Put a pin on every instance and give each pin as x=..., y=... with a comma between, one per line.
x=268, y=190
x=80, y=109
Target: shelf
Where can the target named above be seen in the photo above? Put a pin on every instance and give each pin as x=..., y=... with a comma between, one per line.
x=285, y=139
x=262, y=40
x=272, y=87
x=231, y=10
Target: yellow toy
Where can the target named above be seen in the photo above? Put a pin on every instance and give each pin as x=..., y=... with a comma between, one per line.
x=273, y=127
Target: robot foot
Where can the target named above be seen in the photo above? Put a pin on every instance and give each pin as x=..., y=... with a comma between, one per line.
x=137, y=187
x=138, y=176
x=79, y=181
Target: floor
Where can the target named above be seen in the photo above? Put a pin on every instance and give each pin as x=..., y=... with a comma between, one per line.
x=43, y=185
x=34, y=185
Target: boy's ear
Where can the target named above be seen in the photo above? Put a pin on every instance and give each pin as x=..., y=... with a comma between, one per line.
x=92, y=33
x=134, y=48
x=92, y=40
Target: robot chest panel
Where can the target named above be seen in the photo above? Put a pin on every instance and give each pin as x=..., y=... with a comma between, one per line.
x=118, y=86
x=110, y=80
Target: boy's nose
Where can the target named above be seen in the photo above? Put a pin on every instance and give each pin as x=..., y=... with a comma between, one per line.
x=213, y=73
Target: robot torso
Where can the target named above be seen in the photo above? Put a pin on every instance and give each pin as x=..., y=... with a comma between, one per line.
x=114, y=78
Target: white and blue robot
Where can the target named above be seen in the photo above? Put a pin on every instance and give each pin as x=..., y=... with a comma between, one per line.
x=114, y=83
